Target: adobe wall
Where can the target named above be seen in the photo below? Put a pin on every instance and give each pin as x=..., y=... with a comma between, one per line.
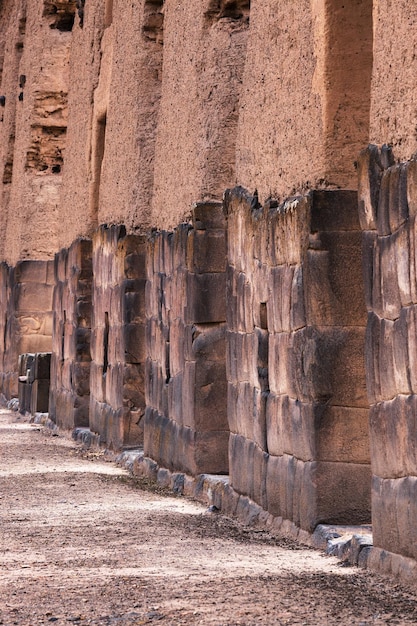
x=297, y=405
x=118, y=351
x=186, y=425
x=71, y=356
x=27, y=316
x=388, y=206
x=34, y=126
x=204, y=56
x=394, y=77
x=304, y=109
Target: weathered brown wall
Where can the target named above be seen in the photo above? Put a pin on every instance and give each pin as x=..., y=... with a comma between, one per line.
x=204, y=55
x=186, y=405
x=388, y=207
x=297, y=401
x=304, y=110
x=71, y=357
x=29, y=316
x=118, y=351
x=394, y=78
x=35, y=85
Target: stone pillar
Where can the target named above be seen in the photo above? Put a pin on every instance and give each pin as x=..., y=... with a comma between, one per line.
x=29, y=317
x=4, y=308
x=297, y=401
x=186, y=416
x=117, y=400
x=70, y=367
x=388, y=208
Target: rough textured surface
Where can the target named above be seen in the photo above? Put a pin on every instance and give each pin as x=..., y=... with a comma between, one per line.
x=296, y=381
x=70, y=371
x=27, y=314
x=118, y=351
x=155, y=558
x=387, y=205
x=186, y=414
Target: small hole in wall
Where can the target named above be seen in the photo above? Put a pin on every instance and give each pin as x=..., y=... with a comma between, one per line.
x=106, y=343
x=56, y=169
x=263, y=316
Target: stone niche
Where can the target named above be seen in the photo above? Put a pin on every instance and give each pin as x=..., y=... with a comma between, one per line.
x=388, y=209
x=117, y=388
x=186, y=415
x=70, y=366
x=297, y=405
x=27, y=322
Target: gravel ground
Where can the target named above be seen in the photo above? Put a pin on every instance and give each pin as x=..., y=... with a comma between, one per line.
x=84, y=543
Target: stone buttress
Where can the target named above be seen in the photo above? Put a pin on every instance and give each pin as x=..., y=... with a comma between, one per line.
x=118, y=351
x=388, y=209
x=186, y=412
x=297, y=403
x=70, y=363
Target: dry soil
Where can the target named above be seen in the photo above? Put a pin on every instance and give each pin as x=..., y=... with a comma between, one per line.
x=84, y=543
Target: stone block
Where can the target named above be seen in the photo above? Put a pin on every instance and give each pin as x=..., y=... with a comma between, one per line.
x=334, y=281
x=206, y=251
x=39, y=399
x=340, y=361
x=31, y=272
x=279, y=302
x=411, y=321
x=281, y=380
x=402, y=260
x=334, y=210
x=297, y=312
x=398, y=205
x=273, y=481
x=386, y=360
x=209, y=342
x=34, y=343
x=206, y=298
x=343, y=493
x=134, y=304
x=400, y=353
x=372, y=360
x=32, y=297
x=210, y=396
x=241, y=464
x=290, y=427
x=370, y=172
x=259, y=418
x=383, y=213
x=342, y=434
x=208, y=216
x=134, y=342
x=412, y=186
x=369, y=250
x=393, y=428
x=42, y=365
x=394, y=511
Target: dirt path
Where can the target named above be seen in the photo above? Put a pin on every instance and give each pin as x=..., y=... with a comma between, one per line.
x=82, y=543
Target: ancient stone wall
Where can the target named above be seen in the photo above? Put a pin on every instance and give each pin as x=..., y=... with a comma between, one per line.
x=27, y=318
x=118, y=351
x=297, y=403
x=186, y=408
x=388, y=207
x=70, y=367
